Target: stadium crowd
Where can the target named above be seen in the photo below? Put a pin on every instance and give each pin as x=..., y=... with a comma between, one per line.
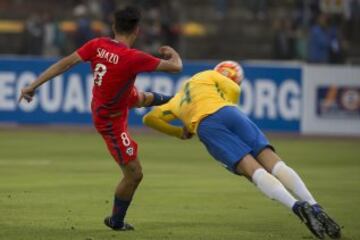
x=49, y=32
x=318, y=31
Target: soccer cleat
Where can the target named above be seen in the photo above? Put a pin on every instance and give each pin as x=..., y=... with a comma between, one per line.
x=122, y=227
x=332, y=229
x=306, y=214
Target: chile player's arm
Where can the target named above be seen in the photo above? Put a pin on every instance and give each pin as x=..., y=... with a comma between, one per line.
x=171, y=62
x=144, y=62
x=85, y=53
x=54, y=70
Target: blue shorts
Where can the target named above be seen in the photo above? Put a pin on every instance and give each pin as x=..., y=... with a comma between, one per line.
x=229, y=135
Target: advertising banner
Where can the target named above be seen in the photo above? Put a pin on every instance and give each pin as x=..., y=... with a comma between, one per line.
x=331, y=102
x=271, y=95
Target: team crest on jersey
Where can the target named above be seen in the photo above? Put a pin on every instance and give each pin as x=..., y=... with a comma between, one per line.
x=130, y=151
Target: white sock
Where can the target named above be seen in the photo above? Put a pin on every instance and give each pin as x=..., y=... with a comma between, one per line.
x=272, y=188
x=292, y=181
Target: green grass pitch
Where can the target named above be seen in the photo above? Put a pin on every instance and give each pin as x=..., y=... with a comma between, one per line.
x=59, y=185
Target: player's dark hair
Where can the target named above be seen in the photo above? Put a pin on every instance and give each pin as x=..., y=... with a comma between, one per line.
x=126, y=19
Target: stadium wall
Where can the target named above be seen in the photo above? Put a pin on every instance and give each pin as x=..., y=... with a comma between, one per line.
x=275, y=96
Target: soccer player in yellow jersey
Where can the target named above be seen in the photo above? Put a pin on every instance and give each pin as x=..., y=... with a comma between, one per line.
x=207, y=106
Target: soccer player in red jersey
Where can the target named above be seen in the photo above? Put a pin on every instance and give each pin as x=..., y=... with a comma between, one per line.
x=115, y=66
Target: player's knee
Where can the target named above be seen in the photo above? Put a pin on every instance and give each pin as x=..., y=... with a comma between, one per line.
x=133, y=173
x=278, y=167
x=137, y=177
x=268, y=159
x=247, y=166
x=134, y=178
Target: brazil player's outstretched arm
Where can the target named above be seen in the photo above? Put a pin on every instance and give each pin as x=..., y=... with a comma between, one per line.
x=159, y=119
x=171, y=63
x=54, y=70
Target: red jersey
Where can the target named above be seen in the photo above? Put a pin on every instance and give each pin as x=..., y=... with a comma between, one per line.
x=115, y=67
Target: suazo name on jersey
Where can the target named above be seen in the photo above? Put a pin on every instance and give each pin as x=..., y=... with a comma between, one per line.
x=108, y=56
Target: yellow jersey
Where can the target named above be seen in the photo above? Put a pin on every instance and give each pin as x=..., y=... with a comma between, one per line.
x=200, y=96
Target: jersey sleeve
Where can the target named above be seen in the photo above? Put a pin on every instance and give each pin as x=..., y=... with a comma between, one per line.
x=88, y=50
x=230, y=89
x=159, y=119
x=143, y=62
x=166, y=112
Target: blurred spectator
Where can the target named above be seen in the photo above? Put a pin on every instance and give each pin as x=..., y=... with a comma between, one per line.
x=319, y=41
x=160, y=25
x=83, y=32
x=314, y=7
x=283, y=42
x=221, y=7
x=299, y=13
x=300, y=44
x=151, y=31
x=333, y=6
x=352, y=19
x=107, y=8
x=337, y=54
x=170, y=23
x=53, y=37
x=33, y=35
x=258, y=8
x=94, y=8
x=305, y=13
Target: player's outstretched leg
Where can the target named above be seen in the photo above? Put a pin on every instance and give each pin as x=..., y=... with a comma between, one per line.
x=273, y=188
x=292, y=181
x=286, y=175
x=123, y=196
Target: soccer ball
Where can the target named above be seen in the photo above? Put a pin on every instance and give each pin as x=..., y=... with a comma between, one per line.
x=231, y=69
